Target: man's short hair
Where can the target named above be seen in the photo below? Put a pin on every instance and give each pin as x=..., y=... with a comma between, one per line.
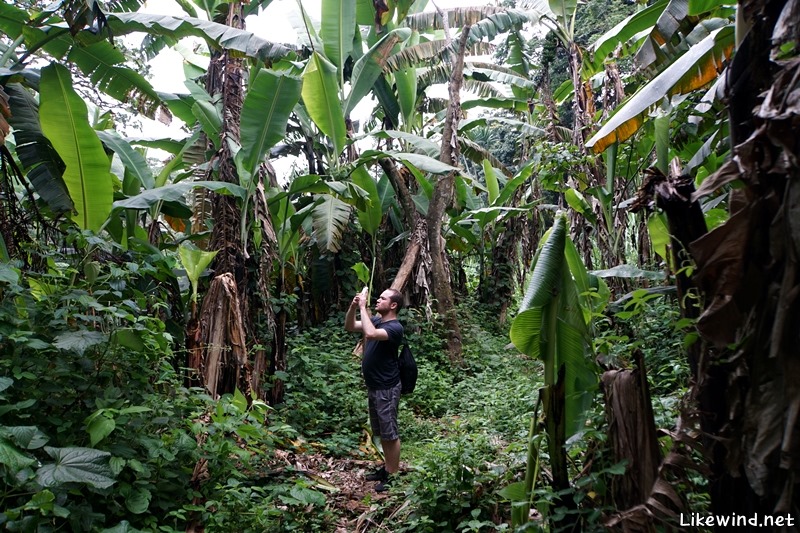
x=397, y=297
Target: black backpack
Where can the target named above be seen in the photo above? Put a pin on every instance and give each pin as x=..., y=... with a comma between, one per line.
x=408, y=369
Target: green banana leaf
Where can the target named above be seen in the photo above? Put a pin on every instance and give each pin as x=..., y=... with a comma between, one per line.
x=134, y=162
x=64, y=119
x=369, y=67
x=338, y=27
x=265, y=112
x=321, y=99
x=176, y=192
x=218, y=35
x=621, y=34
x=39, y=159
x=551, y=326
x=104, y=64
x=406, y=82
x=371, y=217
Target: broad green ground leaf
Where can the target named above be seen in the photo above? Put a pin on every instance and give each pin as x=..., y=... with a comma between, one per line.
x=99, y=428
x=321, y=99
x=76, y=465
x=265, y=112
x=64, y=119
x=26, y=437
x=78, y=341
x=12, y=457
x=137, y=500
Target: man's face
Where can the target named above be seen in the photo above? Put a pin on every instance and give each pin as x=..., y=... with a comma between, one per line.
x=384, y=303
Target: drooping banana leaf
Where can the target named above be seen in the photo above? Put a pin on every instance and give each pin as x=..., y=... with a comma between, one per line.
x=104, y=65
x=64, y=120
x=217, y=35
x=176, y=192
x=369, y=67
x=622, y=33
x=134, y=162
x=406, y=82
x=694, y=69
x=40, y=161
x=552, y=327
x=265, y=112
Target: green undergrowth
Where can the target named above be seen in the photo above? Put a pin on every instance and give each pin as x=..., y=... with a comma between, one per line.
x=98, y=431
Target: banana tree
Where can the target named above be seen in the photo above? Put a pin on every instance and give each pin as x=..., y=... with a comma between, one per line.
x=553, y=325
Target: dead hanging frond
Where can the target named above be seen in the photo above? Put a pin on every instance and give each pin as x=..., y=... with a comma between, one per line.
x=458, y=17
x=224, y=363
x=483, y=89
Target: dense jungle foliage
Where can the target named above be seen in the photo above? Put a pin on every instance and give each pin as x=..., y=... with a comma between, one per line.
x=590, y=209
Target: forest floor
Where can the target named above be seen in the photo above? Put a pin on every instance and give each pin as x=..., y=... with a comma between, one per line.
x=352, y=497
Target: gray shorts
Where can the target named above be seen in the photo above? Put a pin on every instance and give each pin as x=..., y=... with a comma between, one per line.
x=383, y=411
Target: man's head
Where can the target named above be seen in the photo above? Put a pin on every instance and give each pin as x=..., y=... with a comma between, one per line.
x=389, y=302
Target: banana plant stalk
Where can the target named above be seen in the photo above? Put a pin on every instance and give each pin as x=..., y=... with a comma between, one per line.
x=553, y=326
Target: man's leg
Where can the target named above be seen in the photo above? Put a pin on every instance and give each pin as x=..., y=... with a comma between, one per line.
x=391, y=451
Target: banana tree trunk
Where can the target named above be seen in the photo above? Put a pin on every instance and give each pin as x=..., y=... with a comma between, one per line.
x=442, y=197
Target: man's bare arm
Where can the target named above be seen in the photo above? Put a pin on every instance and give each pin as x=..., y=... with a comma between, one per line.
x=370, y=331
x=350, y=322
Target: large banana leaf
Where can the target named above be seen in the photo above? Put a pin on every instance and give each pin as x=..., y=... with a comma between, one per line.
x=176, y=192
x=338, y=27
x=369, y=67
x=329, y=219
x=621, y=34
x=406, y=82
x=39, y=159
x=64, y=120
x=265, y=112
x=321, y=99
x=422, y=162
x=694, y=69
x=104, y=65
x=371, y=217
x=552, y=327
x=218, y=35
x=134, y=162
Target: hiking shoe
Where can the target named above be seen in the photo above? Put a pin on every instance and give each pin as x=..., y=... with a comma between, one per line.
x=379, y=475
x=384, y=485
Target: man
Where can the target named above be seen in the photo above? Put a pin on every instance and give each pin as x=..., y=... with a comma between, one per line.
x=383, y=336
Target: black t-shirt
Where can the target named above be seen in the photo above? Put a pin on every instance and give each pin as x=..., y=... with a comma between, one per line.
x=379, y=364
